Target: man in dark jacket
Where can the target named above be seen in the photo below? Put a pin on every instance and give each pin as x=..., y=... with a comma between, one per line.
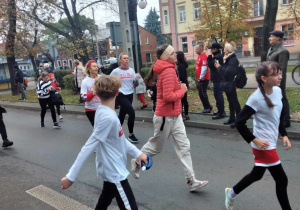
x=19, y=79
x=214, y=55
x=281, y=55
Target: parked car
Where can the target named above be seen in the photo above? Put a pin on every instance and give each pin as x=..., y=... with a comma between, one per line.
x=107, y=62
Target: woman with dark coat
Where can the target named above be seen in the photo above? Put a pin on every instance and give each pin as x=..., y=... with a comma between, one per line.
x=182, y=72
x=228, y=72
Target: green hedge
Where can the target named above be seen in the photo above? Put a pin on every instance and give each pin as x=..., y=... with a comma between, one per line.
x=69, y=83
x=191, y=72
x=144, y=72
x=59, y=75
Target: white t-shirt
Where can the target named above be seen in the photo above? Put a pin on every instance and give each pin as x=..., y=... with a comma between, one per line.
x=86, y=88
x=266, y=120
x=111, y=148
x=127, y=77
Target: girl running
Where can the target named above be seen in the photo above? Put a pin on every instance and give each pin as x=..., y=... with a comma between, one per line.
x=140, y=90
x=167, y=120
x=125, y=97
x=265, y=104
x=43, y=89
x=87, y=93
x=54, y=85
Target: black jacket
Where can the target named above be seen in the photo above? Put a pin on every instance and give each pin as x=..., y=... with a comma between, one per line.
x=228, y=70
x=19, y=76
x=182, y=71
x=111, y=68
x=214, y=74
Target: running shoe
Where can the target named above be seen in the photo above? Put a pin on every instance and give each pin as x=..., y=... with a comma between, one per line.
x=228, y=200
x=135, y=170
x=7, y=143
x=60, y=117
x=56, y=125
x=42, y=124
x=133, y=139
x=195, y=184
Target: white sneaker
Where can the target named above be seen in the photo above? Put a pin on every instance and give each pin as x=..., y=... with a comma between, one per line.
x=60, y=117
x=195, y=184
x=135, y=170
x=228, y=200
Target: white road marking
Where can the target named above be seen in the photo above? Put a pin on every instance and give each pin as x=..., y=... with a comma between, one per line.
x=55, y=199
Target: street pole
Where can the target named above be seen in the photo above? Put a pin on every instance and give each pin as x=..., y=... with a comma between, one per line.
x=97, y=46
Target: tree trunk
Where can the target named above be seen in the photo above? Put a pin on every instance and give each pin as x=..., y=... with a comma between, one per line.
x=10, y=43
x=269, y=23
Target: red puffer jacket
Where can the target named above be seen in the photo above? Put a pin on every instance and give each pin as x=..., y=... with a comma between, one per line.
x=168, y=93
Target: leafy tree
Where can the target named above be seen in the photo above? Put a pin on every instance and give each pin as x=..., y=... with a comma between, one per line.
x=152, y=24
x=223, y=20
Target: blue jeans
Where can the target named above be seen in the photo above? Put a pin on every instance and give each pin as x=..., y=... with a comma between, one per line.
x=218, y=94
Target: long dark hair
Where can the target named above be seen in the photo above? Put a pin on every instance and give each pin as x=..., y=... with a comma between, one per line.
x=266, y=69
x=149, y=79
x=180, y=57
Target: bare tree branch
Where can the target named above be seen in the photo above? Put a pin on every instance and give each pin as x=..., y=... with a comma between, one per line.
x=95, y=2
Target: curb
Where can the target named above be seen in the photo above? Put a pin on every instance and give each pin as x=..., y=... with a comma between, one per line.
x=195, y=124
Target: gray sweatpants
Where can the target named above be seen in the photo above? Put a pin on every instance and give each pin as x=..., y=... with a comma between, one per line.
x=21, y=89
x=175, y=128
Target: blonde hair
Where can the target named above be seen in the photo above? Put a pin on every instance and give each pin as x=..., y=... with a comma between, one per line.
x=76, y=61
x=107, y=86
x=87, y=69
x=231, y=47
x=43, y=75
x=120, y=56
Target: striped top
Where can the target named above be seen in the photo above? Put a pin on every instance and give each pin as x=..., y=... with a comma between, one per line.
x=41, y=89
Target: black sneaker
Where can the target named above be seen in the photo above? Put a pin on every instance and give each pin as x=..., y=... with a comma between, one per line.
x=133, y=139
x=42, y=124
x=7, y=143
x=143, y=107
x=56, y=125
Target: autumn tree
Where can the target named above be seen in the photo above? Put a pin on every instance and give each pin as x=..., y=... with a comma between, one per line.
x=223, y=20
x=47, y=12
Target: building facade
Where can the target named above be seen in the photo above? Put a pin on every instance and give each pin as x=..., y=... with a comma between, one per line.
x=148, y=45
x=178, y=17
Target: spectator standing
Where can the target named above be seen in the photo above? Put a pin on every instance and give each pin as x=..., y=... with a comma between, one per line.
x=182, y=71
x=78, y=76
x=43, y=89
x=228, y=72
x=6, y=142
x=19, y=80
x=125, y=97
x=265, y=105
x=113, y=65
x=140, y=90
x=54, y=84
x=88, y=95
x=47, y=68
x=111, y=148
x=281, y=55
x=167, y=120
x=214, y=55
x=203, y=77
x=150, y=82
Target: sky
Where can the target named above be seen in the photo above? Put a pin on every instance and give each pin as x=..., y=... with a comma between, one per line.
x=103, y=15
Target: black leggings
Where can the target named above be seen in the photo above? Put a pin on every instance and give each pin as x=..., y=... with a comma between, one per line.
x=125, y=101
x=58, y=109
x=121, y=191
x=2, y=128
x=185, y=104
x=278, y=175
x=43, y=103
x=91, y=116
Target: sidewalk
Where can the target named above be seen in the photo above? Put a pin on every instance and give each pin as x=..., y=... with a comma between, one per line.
x=197, y=120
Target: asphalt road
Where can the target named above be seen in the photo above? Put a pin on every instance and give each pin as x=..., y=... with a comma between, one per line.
x=42, y=156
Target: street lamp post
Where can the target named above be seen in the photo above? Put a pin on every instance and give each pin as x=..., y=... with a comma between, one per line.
x=87, y=32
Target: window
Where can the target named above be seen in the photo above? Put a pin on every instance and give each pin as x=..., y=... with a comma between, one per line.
x=59, y=63
x=286, y=2
x=21, y=67
x=147, y=40
x=181, y=14
x=166, y=17
x=259, y=8
x=70, y=63
x=148, y=57
x=184, y=45
x=288, y=38
x=197, y=11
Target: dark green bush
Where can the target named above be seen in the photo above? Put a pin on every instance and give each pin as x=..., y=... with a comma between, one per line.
x=59, y=74
x=69, y=83
x=191, y=72
x=144, y=72
x=191, y=62
x=147, y=65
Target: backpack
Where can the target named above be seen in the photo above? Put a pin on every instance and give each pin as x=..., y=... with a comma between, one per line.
x=56, y=98
x=241, y=77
